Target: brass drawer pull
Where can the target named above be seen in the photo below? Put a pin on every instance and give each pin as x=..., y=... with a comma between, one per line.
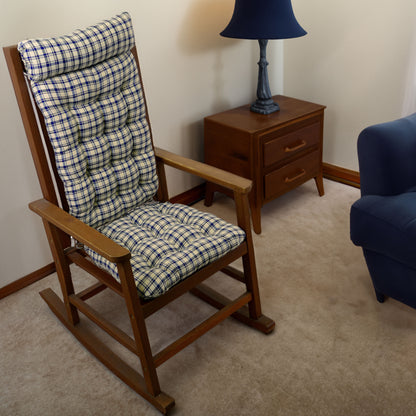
x=302, y=173
x=294, y=148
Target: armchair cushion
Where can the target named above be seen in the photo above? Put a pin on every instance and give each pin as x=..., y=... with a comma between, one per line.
x=387, y=154
x=168, y=242
x=386, y=225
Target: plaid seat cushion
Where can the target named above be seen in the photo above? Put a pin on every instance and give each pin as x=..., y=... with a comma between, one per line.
x=168, y=242
x=88, y=89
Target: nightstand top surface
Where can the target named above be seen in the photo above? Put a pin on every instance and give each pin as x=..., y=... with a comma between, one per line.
x=244, y=119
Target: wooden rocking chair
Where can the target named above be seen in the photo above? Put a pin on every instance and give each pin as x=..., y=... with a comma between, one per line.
x=105, y=201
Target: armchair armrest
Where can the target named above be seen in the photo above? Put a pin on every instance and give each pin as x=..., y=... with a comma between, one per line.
x=210, y=173
x=387, y=155
x=82, y=232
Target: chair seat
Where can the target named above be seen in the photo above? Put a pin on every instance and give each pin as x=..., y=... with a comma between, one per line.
x=168, y=242
x=386, y=225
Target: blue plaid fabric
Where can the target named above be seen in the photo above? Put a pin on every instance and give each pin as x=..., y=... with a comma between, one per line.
x=95, y=117
x=168, y=242
x=88, y=89
x=45, y=58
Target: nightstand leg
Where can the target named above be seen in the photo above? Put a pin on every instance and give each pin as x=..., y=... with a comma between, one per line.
x=256, y=218
x=320, y=184
x=209, y=194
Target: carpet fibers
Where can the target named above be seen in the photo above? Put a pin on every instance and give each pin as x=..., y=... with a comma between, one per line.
x=335, y=351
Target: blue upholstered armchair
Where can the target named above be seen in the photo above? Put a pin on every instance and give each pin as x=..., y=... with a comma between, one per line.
x=383, y=220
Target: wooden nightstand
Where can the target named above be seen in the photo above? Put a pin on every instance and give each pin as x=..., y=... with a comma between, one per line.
x=278, y=152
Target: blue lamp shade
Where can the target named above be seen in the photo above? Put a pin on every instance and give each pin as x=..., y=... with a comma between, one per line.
x=263, y=20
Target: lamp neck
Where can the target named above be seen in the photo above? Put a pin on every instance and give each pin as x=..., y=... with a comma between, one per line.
x=263, y=47
x=263, y=87
x=264, y=103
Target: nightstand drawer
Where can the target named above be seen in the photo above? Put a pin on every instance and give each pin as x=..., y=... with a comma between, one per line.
x=291, y=175
x=290, y=144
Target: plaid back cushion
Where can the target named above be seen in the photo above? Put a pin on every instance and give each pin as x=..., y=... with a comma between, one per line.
x=87, y=87
x=45, y=58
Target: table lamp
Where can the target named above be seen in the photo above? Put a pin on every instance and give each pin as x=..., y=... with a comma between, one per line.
x=263, y=20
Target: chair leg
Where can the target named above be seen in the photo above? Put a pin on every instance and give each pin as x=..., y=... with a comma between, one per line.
x=249, y=262
x=138, y=324
x=251, y=282
x=380, y=296
x=62, y=269
x=256, y=318
x=250, y=271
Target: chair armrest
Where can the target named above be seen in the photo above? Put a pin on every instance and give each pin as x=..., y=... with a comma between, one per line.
x=80, y=231
x=210, y=173
x=387, y=155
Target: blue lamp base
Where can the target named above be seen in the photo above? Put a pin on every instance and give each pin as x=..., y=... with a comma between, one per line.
x=264, y=106
x=264, y=103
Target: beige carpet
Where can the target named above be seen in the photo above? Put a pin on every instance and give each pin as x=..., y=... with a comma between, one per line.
x=335, y=350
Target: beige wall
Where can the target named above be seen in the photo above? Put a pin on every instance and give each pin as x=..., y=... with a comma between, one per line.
x=189, y=71
x=355, y=59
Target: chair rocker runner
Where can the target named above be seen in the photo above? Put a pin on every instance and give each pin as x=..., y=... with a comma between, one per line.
x=84, y=113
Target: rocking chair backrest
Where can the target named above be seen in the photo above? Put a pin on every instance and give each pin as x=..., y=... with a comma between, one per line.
x=88, y=89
